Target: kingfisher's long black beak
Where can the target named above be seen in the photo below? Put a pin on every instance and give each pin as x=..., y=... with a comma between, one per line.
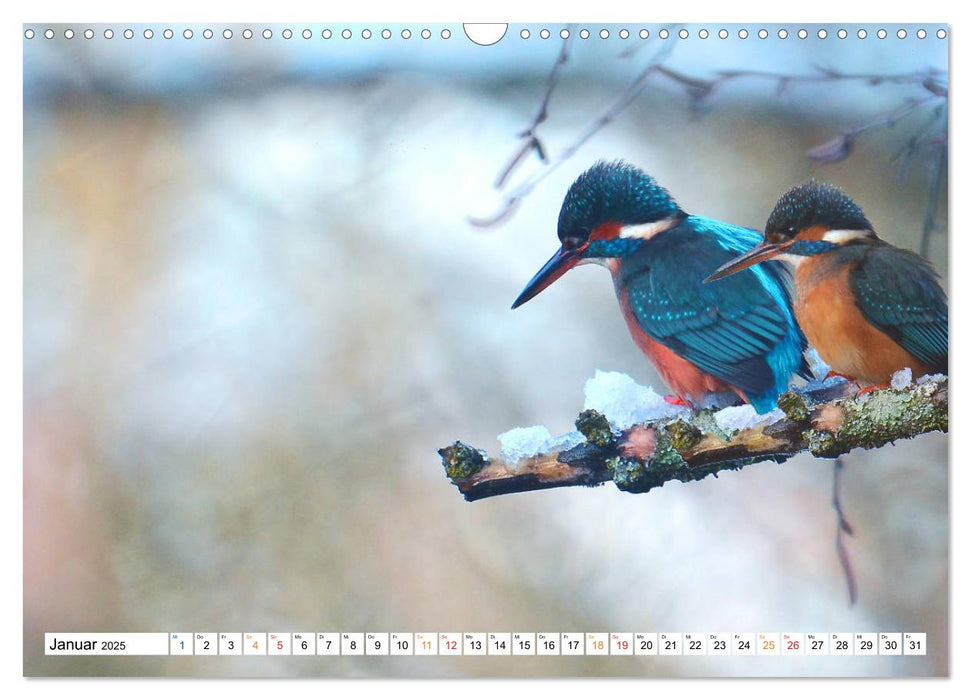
x=756, y=255
x=562, y=261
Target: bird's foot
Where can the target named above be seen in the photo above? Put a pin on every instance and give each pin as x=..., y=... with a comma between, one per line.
x=831, y=374
x=678, y=401
x=873, y=387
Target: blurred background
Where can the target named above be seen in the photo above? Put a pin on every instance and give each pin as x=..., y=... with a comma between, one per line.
x=254, y=307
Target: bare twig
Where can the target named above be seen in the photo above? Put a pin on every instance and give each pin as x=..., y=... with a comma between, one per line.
x=929, y=78
x=843, y=528
x=920, y=140
x=826, y=422
x=700, y=89
x=933, y=195
x=530, y=141
x=841, y=146
x=620, y=103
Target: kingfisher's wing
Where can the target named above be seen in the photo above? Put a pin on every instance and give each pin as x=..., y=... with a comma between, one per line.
x=898, y=292
x=740, y=328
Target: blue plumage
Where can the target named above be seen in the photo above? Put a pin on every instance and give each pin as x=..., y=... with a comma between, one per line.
x=897, y=315
x=897, y=291
x=614, y=192
x=742, y=332
x=814, y=204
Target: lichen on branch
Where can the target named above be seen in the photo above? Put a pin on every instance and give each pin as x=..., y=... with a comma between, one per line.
x=825, y=422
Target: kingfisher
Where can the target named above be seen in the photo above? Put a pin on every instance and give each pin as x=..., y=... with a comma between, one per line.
x=868, y=307
x=741, y=338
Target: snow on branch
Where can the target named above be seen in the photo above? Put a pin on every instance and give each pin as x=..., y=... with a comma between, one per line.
x=826, y=420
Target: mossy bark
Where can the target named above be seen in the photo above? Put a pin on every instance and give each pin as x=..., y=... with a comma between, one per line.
x=827, y=423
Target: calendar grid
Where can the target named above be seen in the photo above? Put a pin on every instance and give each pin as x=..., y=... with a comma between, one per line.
x=375, y=644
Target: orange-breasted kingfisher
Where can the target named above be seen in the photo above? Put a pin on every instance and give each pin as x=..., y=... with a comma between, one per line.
x=740, y=336
x=868, y=307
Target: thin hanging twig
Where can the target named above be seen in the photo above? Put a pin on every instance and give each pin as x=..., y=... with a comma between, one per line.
x=933, y=195
x=843, y=529
x=530, y=141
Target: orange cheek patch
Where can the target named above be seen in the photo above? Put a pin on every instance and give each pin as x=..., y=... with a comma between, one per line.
x=604, y=232
x=813, y=233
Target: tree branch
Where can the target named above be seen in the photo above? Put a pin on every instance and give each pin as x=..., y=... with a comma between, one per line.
x=699, y=89
x=608, y=115
x=826, y=422
x=841, y=146
x=530, y=141
x=934, y=190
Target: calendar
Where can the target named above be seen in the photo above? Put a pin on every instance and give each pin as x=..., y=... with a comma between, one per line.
x=488, y=644
x=297, y=358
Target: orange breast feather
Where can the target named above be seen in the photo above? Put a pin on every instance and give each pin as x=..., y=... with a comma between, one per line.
x=684, y=377
x=833, y=324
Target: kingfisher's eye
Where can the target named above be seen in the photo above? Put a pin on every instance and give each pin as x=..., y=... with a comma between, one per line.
x=572, y=242
x=781, y=235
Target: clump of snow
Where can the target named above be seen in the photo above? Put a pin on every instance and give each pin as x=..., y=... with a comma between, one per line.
x=816, y=364
x=564, y=442
x=819, y=369
x=625, y=402
x=735, y=418
x=927, y=378
x=520, y=443
x=902, y=379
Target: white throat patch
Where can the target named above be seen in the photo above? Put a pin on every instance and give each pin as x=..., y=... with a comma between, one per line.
x=647, y=231
x=844, y=236
x=794, y=260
